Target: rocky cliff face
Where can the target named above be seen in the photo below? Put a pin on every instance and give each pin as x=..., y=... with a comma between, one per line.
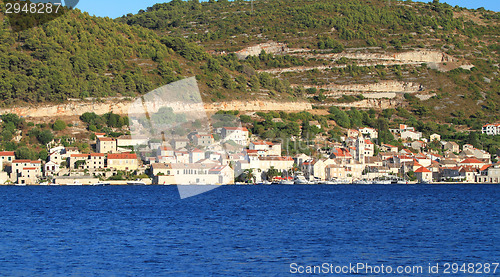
x=383, y=86
x=122, y=107
x=362, y=57
x=270, y=48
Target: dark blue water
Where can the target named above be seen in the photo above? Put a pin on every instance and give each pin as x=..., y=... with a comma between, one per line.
x=243, y=230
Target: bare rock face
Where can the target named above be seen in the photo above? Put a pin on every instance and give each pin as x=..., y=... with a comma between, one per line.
x=384, y=86
x=378, y=104
x=269, y=47
x=384, y=89
x=122, y=107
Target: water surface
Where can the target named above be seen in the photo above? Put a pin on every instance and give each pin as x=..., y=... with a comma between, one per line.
x=242, y=230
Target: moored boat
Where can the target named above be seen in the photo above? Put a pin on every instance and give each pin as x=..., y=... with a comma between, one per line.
x=136, y=183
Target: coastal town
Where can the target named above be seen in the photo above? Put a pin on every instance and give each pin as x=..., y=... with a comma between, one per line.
x=232, y=155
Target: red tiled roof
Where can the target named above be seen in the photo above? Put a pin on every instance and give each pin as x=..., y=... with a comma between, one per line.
x=7, y=153
x=471, y=161
x=237, y=128
x=97, y=155
x=21, y=161
x=124, y=156
x=422, y=170
x=79, y=155
x=262, y=142
x=484, y=167
x=467, y=169
x=106, y=139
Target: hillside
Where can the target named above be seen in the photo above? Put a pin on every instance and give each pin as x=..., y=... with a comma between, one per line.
x=77, y=56
x=437, y=61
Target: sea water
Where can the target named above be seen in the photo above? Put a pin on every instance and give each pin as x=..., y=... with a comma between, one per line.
x=245, y=230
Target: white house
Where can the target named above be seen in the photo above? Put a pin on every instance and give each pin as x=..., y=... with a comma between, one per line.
x=51, y=168
x=196, y=155
x=7, y=156
x=267, y=148
x=491, y=129
x=423, y=175
x=265, y=163
x=236, y=134
x=405, y=135
x=106, y=145
x=203, y=139
x=372, y=133
x=26, y=171
x=388, y=148
x=369, y=148
x=434, y=137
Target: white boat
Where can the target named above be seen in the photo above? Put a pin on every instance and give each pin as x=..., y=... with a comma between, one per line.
x=300, y=180
x=286, y=182
x=136, y=183
x=20, y=185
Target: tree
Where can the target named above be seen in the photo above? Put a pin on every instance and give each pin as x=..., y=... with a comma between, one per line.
x=10, y=117
x=473, y=139
x=43, y=155
x=248, y=176
x=79, y=163
x=340, y=117
x=45, y=136
x=271, y=173
x=384, y=134
x=59, y=125
x=25, y=153
x=6, y=135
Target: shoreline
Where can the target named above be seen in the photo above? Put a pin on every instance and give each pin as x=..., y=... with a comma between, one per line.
x=346, y=184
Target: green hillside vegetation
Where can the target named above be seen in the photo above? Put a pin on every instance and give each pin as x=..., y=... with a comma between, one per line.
x=225, y=25
x=79, y=56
